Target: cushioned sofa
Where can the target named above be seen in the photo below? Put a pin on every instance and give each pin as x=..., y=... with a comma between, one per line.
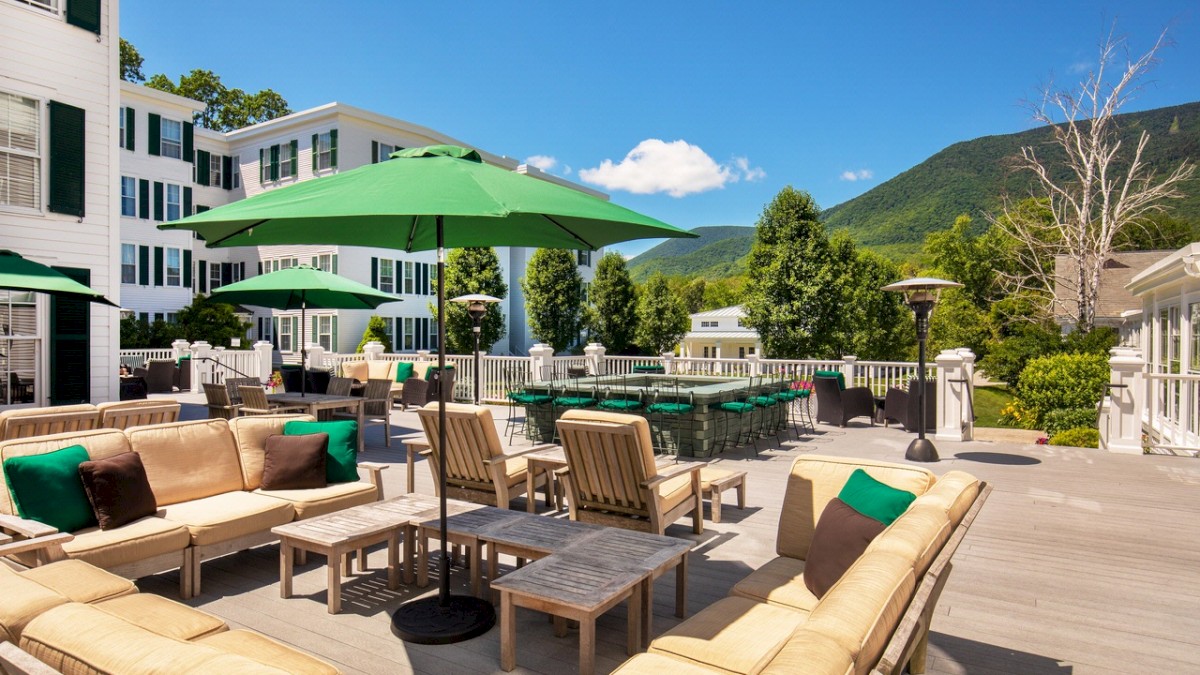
x=362, y=371
x=77, y=618
x=206, y=477
x=874, y=618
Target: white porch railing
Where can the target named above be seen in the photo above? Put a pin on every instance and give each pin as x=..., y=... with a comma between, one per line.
x=136, y=358
x=1171, y=418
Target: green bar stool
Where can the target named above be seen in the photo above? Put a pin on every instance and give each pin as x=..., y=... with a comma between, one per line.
x=674, y=417
x=734, y=405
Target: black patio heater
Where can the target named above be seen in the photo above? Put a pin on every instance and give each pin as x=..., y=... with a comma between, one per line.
x=477, y=308
x=921, y=294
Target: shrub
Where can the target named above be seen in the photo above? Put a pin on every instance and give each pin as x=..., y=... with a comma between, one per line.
x=1006, y=359
x=1079, y=437
x=1062, y=419
x=1061, y=381
x=376, y=330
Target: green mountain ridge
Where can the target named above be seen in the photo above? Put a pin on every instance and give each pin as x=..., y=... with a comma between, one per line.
x=717, y=253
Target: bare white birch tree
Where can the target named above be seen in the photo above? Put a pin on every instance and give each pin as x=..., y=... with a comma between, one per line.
x=1089, y=194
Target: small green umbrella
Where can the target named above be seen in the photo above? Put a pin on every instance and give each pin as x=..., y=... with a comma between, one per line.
x=302, y=287
x=21, y=274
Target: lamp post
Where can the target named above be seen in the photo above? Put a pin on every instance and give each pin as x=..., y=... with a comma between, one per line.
x=921, y=294
x=477, y=308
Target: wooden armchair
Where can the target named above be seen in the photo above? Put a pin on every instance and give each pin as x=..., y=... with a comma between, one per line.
x=18, y=535
x=377, y=408
x=612, y=478
x=50, y=422
x=478, y=468
x=217, y=399
x=254, y=402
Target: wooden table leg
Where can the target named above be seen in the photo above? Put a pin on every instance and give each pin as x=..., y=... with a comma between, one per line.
x=411, y=478
x=344, y=558
x=422, y=559
x=335, y=582
x=362, y=429
x=508, y=633
x=647, y=611
x=530, y=487
x=409, y=536
x=393, y=564
x=476, y=559
x=681, y=587
x=741, y=492
x=560, y=625
x=715, y=501
x=587, y=645
x=633, y=632
x=363, y=563
x=286, y=560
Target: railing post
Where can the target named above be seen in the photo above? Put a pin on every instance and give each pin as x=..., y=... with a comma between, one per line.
x=1125, y=411
x=541, y=362
x=372, y=350
x=200, y=351
x=848, y=369
x=969, y=408
x=480, y=360
x=316, y=356
x=595, y=358
x=668, y=361
x=753, y=365
x=181, y=347
x=263, y=350
x=951, y=395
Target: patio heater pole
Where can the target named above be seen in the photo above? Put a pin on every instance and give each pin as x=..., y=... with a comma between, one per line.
x=477, y=308
x=304, y=347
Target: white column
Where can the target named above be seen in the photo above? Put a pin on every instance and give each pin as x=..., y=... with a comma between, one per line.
x=1125, y=411
x=753, y=365
x=969, y=410
x=848, y=369
x=668, y=361
x=200, y=350
x=951, y=395
x=372, y=350
x=181, y=347
x=264, y=351
x=595, y=358
x=717, y=350
x=541, y=362
x=316, y=355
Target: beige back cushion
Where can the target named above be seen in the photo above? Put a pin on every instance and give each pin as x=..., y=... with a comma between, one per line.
x=99, y=443
x=250, y=434
x=420, y=368
x=864, y=607
x=811, y=653
x=355, y=369
x=188, y=460
x=381, y=370
x=816, y=479
x=953, y=493
x=26, y=412
x=918, y=535
x=639, y=423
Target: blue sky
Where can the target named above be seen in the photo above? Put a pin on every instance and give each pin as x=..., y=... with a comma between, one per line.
x=722, y=104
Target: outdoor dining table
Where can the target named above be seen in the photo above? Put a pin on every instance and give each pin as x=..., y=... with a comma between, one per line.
x=317, y=402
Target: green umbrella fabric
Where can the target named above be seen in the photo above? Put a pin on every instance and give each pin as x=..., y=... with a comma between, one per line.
x=21, y=274
x=302, y=286
x=394, y=204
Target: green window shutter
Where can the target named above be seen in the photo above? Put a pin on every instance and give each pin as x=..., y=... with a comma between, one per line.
x=375, y=273
x=130, y=116
x=200, y=208
x=227, y=172
x=333, y=148
x=187, y=202
x=297, y=338
x=275, y=331
x=154, y=134
x=143, y=199
x=334, y=270
x=202, y=167
x=85, y=14
x=262, y=166
x=374, y=152
x=144, y=265
x=333, y=342
x=295, y=158
x=158, y=201
x=158, y=266
x=315, y=261
x=315, y=144
x=202, y=275
x=312, y=334
x=70, y=344
x=187, y=268
x=188, y=143
x=226, y=274
x=66, y=159
x=274, y=162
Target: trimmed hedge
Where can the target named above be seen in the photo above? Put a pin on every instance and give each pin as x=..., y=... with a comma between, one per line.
x=1061, y=381
x=1062, y=419
x=1079, y=437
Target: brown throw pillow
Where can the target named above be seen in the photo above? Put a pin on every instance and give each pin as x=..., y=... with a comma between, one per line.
x=118, y=489
x=841, y=536
x=295, y=462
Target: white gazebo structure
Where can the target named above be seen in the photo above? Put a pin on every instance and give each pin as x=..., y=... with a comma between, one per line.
x=719, y=333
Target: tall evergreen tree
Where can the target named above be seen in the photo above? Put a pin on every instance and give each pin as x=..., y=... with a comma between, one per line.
x=473, y=270
x=879, y=326
x=376, y=330
x=553, y=293
x=662, y=319
x=612, y=310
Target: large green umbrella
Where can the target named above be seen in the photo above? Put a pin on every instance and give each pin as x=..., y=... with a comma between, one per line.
x=299, y=288
x=423, y=199
x=21, y=274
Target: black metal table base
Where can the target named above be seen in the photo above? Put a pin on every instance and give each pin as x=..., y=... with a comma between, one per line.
x=428, y=622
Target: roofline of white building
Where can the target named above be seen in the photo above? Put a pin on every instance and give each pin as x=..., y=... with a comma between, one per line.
x=1172, y=268
x=142, y=91
x=535, y=172
x=732, y=310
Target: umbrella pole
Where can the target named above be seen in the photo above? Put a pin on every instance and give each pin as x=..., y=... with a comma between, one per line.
x=304, y=347
x=447, y=618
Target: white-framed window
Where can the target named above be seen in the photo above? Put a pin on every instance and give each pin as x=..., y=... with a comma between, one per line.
x=236, y=273
x=172, y=317
x=121, y=120
x=708, y=324
x=387, y=276
x=20, y=151
x=174, y=267
x=237, y=172
x=386, y=149
x=214, y=170
x=324, y=153
x=325, y=262
x=48, y=5
x=408, y=276
x=325, y=332
x=128, y=196
x=285, y=263
x=214, y=276
x=285, y=160
x=128, y=264
x=583, y=257
x=285, y=334
x=408, y=333
x=433, y=335
x=171, y=138
x=706, y=352
x=173, y=202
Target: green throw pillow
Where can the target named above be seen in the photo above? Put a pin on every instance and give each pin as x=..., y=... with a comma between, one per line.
x=429, y=372
x=841, y=377
x=874, y=499
x=47, y=488
x=342, y=464
x=404, y=370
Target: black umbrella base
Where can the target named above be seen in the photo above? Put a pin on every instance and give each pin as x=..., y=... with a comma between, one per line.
x=921, y=450
x=427, y=622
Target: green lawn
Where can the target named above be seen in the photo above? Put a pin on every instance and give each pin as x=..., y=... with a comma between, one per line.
x=988, y=403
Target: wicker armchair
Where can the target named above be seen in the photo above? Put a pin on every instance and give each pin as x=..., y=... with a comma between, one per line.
x=904, y=406
x=160, y=376
x=838, y=406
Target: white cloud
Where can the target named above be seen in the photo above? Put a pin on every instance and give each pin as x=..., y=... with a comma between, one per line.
x=543, y=162
x=566, y=169
x=860, y=174
x=1079, y=67
x=677, y=168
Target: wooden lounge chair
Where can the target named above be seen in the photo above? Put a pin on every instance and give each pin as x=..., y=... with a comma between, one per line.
x=377, y=408
x=254, y=402
x=125, y=414
x=478, y=468
x=612, y=478
x=50, y=423
x=219, y=405
x=233, y=384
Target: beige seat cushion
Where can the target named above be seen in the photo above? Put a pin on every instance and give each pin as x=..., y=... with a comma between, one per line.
x=816, y=479
x=188, y=460
x=162, y=616
x=676, y=491
x=812, y=653
x=917, y=535
x=953, y=493
x=355, y=369
x=779, y=582
x=100, y=444
x=250, y=434
x=736, y=635
x=228, y=516
x=23, y=600
x=659, y=664
x=381, y=370
x=320, y=501
x=265, y=650
x=76, y=638
x=80, y=582
x=143, y=538
x=709, y=474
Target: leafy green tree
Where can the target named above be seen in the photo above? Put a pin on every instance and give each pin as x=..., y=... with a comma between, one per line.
x=553, y=293
x=376, y=330
x=131, y=68
x=879, y=327
x=611, y=315
x=691, y=293
x=227, y=109
x=957, y=322
x=1159, y=232
x=789, y=289
x=468, y=271
x=135, y=333
x=973, y=260
x=725, y=292
x=213, y=322
x=662, y=319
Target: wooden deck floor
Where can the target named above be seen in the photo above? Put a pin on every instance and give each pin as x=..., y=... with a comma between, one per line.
x=1080, y=562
